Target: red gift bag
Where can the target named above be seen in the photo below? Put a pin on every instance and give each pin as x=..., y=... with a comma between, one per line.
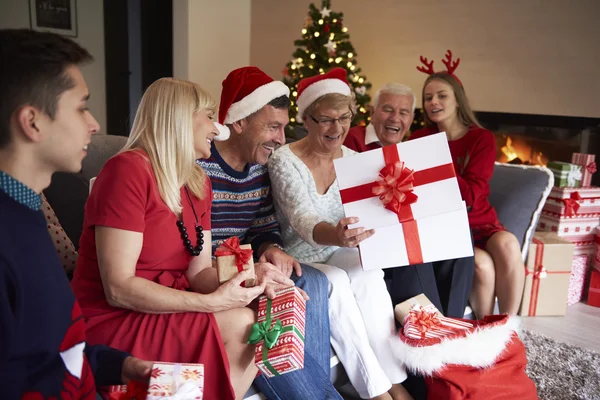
x=484, y=362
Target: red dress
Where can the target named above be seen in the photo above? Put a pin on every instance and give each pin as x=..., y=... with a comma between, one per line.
x=474, y=155
x=125, y=196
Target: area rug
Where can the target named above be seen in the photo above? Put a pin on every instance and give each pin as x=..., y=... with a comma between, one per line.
x=562, y=371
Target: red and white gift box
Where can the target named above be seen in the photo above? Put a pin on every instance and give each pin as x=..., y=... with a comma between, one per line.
x=426, y=322
x=284, y=316
x=180, y=381
x=578, y=279
x=409, y=194
x=573, y=202
x=588, y=164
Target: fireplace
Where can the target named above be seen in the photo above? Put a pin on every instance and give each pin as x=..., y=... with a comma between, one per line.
x=537, y=139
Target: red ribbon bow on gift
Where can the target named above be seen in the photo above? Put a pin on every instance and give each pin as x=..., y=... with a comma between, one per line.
x=231, y=247
x=395, y=186
x=591, y=167
x=423, y=320
x=572, y=204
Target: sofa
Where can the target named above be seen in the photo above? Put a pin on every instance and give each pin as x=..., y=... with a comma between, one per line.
x=517, y=192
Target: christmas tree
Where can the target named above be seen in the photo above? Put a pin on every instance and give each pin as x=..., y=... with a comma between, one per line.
x=325, y=44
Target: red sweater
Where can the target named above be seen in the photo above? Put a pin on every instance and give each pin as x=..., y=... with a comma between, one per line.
x=356, y=140
x=474, y=155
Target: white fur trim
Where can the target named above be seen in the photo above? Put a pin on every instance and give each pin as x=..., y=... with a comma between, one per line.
x=223, y=132
x=536, y=215
x=478, y=349
x=318, y=89
x=256, y=100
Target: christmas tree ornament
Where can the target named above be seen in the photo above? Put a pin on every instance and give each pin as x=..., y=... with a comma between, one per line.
x=325, y=12
x=330, y=45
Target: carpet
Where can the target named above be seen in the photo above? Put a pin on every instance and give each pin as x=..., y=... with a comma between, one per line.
x=562, y=371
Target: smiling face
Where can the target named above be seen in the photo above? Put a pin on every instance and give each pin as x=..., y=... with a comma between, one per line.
x=204, y=132
x=440, y=102
x=66, y=137
x=328, y=127
x=392, y=117
x=262, y=133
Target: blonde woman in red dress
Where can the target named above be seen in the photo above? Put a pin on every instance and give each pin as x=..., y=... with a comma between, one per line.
x=499, y=269
x=144, y=275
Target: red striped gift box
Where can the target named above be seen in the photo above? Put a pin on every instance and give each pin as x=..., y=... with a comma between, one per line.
x=426, y=323
x=279, y=333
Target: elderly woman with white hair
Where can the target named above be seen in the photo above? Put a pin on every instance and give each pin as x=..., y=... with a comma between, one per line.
x=315, y=231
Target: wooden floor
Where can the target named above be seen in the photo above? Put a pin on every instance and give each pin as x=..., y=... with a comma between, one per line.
x=580, y=327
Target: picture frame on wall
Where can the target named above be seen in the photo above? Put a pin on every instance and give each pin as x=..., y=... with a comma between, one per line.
x=56, y=16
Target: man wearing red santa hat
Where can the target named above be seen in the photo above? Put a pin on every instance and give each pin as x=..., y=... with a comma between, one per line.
x=254, y=108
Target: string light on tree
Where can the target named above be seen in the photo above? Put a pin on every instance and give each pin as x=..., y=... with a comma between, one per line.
x=325, y=44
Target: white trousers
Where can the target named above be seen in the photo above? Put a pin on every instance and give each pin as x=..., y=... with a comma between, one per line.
x=361, y=320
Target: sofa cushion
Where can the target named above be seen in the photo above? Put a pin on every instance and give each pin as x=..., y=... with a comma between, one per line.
x=518, y=193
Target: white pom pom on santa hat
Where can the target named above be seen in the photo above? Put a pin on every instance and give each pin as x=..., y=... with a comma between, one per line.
x=223, y=132
x=245, y=91
x=310, y=89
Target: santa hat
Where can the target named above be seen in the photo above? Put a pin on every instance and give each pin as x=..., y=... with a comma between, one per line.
x=310, y=89
x=245, y=91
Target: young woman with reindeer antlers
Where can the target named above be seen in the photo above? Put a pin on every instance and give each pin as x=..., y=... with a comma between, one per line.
x=499, y=267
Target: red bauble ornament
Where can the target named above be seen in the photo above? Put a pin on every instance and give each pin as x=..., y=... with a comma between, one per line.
x=326, y=28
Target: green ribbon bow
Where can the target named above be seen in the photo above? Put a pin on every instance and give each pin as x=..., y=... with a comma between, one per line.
x=264, y=331
x=270, y=334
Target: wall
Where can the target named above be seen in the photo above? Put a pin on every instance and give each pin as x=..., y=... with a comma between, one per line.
x=90, y=34
x=210, y=38
x=530, y=56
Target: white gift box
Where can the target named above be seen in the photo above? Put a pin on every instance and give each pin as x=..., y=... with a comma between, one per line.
x=434, y=228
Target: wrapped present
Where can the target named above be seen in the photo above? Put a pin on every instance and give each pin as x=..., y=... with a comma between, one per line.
x=573, y=202
x=565, y=174
x=547, y=275
x=423, y=323
x=279, y=333
x=132, y=391
x=585, y=248
x=594, y=289
x=176, y=381
x=579, y=271
x=402, y=309
x=407, y=193
x=488, y=359
x=596, y=255
x=588, y=167
x=233, y=258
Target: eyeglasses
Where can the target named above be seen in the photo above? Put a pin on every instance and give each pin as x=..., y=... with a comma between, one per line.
x=330, y=122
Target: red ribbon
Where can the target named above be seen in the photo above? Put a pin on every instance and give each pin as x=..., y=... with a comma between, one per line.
x=395, y=187
x=231, y=247
x=423, y=320
x=393, y=166
x=591, y=167
x=538, y=273
x=572, y=204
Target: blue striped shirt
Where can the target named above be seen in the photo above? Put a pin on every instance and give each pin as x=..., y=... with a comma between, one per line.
x=242, y=203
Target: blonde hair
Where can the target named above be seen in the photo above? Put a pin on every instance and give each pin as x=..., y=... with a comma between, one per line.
x=335, y=101
x=163, y=128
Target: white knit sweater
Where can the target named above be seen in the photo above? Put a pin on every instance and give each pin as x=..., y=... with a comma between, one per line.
x=300, y=208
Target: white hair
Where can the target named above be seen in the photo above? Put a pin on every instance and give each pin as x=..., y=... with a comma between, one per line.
x=396, y=89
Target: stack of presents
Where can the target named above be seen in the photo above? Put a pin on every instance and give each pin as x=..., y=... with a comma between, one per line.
x=563, y=264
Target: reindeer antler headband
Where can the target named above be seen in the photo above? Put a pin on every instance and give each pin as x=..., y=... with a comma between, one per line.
x=450, y=65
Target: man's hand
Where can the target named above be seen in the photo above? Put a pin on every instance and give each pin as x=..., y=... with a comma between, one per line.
x=136, y=369
x=282, y=260
x=273, y=279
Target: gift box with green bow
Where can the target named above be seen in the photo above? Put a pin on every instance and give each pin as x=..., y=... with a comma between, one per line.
x=566, y=174
x=279, y=333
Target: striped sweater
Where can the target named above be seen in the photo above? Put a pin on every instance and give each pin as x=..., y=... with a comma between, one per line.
x=242, y=203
